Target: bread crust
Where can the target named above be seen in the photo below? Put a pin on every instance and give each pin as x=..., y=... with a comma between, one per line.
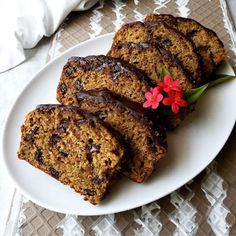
x=206, y=41
x=72, y=146
x=144, y=135
x=97, y=72
x=151, y=58
x=166, y=37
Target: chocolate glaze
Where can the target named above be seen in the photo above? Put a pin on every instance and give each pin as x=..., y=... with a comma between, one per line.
x=163, y=17
x=52, y=107
x=145, y=116
x=201, y=26
x=177, y=63
x=165, y=55
x=198, y=56
x=100, y=62
x=87, y=118
x=174, y=21
x=149, y=38
x=105, y=96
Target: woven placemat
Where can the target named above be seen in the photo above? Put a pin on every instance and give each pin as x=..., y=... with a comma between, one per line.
x=204, y=206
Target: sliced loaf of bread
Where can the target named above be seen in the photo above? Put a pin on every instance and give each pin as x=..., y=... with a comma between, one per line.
x=145, y=137
x=73, y=147
x=151, y=58
x=97, y=72
x=207, y=43
x=166, y=37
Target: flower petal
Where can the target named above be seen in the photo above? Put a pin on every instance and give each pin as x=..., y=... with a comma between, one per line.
x=175, y=108
x=155, y=92
x=147, y=104
x=176, y=83
x=181, y=103
x=159, y=97
x=167, y=101
x=155, y=105
x=167, y=89
x=167, y=79
x=160, y=88
x=148, y=95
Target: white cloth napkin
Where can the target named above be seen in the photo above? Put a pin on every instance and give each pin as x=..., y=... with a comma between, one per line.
x=24, y=22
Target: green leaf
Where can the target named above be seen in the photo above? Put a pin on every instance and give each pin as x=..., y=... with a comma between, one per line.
x=164, y=72
x=220, y=78
x=193, y=95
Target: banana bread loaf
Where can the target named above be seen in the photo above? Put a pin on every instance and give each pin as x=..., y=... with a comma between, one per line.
x=151, y=58
x=96, y=72
x=168, y=38
x=146, y=139
x=206, y=41
x=73, y=147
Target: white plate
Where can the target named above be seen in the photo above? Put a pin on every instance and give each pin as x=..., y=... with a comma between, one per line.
x=191, y=147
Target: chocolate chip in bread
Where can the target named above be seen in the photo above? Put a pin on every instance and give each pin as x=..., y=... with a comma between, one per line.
x=207, y=43
x=73, y=147
x=166, y=37
x=151, y=58
x=97, y=72
x=145, y=137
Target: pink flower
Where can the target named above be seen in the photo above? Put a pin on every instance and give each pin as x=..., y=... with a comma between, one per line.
x=169, y=85
x=154, y=97
x=175, y=100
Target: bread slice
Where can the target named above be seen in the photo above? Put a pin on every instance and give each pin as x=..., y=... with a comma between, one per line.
x=97, y=72
x=146, y=139
x=166, y=37
x=151, y=58
x=206, y=41
x=73, y=147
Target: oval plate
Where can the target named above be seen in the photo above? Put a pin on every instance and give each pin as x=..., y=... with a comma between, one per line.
x=191, y=147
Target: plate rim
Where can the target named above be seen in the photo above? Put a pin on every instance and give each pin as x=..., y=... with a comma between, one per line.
x=45, y=205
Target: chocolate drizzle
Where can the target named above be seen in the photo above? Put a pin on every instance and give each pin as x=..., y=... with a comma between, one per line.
x=116, y=66
x=149, y=118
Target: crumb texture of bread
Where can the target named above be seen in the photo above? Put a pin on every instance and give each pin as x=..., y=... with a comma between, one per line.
x=166, y=37
x=207, y=43
x=74, y=148
x=151, y=58
x=146, y=140
x=97, y=72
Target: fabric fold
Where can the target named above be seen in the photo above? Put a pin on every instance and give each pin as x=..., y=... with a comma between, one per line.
x=28, y=22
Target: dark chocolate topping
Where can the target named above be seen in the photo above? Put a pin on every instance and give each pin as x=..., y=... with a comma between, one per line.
x=146, y=116
x=104, y=95
x=116, y=65
x=149, y=27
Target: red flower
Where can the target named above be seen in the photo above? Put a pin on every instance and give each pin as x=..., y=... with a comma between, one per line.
x=153, y=97
x=175, y=101
x=169, y=85
x=169, y=92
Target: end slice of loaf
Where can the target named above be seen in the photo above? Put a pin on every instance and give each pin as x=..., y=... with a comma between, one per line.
x=97, y=72
x=151, y=58
x=206, y=40
x=73, y=147
x=146, y=139
x=168, y=38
